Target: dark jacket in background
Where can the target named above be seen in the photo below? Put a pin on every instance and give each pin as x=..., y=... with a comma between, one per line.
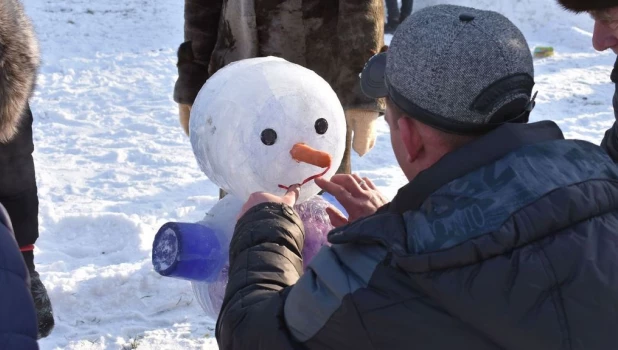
x=18, y=188
x=510, y=242
x=18, y=322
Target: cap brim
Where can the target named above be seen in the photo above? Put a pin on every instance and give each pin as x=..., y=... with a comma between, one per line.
x=372, y=79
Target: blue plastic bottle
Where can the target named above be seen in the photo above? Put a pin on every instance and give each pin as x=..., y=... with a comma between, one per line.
x=189, y=251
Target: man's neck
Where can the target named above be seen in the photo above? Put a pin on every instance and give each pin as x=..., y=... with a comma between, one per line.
x=485, y=150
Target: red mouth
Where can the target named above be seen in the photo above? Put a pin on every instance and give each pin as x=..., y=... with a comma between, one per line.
x=311, y=178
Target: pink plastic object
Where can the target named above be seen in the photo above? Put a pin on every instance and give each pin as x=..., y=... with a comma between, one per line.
x=317, y=225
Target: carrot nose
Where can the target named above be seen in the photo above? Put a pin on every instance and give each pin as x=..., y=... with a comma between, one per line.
x=303, y=153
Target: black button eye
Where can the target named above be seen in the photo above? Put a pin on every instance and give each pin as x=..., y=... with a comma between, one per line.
x=321, y=126
x=269, y=137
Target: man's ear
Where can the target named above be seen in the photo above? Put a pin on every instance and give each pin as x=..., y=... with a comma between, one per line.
x=410, y=137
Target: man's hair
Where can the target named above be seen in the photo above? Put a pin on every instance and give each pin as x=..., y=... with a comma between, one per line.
x=452, y=141
x=579, y=6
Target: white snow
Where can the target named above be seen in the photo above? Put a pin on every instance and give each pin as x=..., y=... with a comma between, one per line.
x=113, y=164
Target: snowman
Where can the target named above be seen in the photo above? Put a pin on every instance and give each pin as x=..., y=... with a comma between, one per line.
x=264, y=124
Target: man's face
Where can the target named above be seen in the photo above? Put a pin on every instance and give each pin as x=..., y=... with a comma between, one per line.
x=605, y=34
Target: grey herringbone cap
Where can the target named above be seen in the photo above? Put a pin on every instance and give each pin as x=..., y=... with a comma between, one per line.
x=458, y=69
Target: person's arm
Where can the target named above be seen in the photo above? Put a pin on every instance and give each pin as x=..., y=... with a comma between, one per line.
x=361, y=35
x=265, y=260
x=201, y=29
x=269, y=303
x=19, y=57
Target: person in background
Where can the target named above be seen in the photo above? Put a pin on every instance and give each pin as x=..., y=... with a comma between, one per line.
x=19, y=62
x=605, y=37
x=395, y=15
x=505, y=237
x=334, y=38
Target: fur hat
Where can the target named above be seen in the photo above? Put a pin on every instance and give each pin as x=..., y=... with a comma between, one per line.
x=19, y=62
x=587, y=5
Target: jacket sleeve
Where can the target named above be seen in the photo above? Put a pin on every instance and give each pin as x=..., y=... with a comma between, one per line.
x=361, y=32
x=265, y=260
x=201, y=27
x=269, y=305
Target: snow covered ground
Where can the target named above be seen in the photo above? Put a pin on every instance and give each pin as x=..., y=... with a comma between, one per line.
x=113, y=164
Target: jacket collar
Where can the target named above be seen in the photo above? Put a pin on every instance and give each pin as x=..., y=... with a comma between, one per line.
x=481, y=152
x=614, y=75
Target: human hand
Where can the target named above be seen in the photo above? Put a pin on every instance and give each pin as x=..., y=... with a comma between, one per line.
x=364, y=124
x=359, y=197
x=184, y=112
x=289, y=198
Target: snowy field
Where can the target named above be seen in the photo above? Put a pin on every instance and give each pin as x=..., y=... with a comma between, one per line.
x=113, y=164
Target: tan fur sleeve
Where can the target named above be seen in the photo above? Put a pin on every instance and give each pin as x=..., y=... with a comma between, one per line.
x=19, y=63
x=202, y=19
x=361, y=34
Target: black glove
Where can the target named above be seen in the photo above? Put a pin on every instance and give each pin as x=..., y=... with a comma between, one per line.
x=191, y=75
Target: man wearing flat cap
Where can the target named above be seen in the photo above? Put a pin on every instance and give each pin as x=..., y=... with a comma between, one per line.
x=505, y=237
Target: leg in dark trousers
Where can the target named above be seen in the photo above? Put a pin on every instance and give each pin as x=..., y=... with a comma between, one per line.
x=392, y=10
x=393, y=14
x=406, y=9
x=18, y=194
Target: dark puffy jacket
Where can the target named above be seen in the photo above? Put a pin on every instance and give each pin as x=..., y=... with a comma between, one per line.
x=510, y=242
x=18, y=324
x=610, y=141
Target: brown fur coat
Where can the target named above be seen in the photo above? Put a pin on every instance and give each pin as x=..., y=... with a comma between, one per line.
x=19, y=61
x=332, y=37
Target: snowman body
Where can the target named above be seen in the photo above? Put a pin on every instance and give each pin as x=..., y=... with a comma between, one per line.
x=222, y=219
x=262, y=125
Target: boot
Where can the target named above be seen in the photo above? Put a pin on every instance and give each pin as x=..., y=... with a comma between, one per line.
x=44, y=312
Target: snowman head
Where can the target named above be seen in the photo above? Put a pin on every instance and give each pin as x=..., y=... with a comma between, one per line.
x=263, y=124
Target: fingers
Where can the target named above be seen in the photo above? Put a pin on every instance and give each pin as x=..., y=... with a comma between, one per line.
x=349, y=183
x=291, y=196
x=361, y=182
x=370, y=184
x=339, y=192
x=337, y=219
